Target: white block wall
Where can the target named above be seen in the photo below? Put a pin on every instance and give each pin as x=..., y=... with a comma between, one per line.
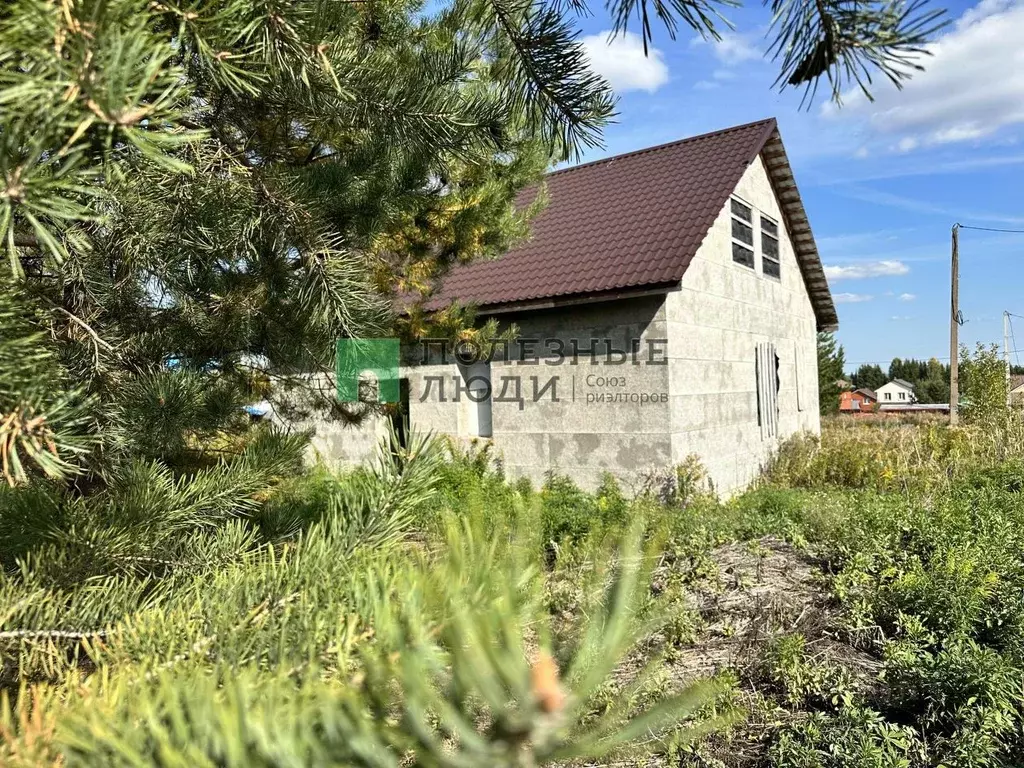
x=716, y=319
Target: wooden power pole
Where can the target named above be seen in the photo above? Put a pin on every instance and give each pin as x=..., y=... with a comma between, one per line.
x=954, y=330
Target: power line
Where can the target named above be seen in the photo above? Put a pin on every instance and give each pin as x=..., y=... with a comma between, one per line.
x=993, y=229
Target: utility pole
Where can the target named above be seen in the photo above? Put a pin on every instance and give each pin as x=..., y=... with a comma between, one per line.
x=1006, y=352
x=954, y=330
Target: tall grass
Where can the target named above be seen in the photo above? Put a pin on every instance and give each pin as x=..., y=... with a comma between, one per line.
x=893, y=454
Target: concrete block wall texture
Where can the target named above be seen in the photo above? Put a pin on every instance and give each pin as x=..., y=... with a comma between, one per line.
x=715, y=320
x=336, y=443
x=578, y=435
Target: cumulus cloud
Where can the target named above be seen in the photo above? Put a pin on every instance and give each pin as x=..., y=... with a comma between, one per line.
x=851, y=298
x=884, y=268
x=972, y=85
x=907, y=296
x=621, y=61
x=733, y=48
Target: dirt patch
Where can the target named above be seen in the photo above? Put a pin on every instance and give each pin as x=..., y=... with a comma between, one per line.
x=765, y=588
x=740, y=599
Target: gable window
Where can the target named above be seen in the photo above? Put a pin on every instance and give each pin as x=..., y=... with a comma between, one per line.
x=903, y=395
x=742, y=233
x=770, y=247
x=888, y=395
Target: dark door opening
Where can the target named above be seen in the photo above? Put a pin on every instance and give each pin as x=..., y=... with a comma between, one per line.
x=400, y=415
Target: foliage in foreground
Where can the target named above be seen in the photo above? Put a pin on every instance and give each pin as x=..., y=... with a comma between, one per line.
x=341, y=640
x=918, y=529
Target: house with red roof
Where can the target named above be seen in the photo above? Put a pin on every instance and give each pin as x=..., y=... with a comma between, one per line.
x=858, y=401
x=666, y=305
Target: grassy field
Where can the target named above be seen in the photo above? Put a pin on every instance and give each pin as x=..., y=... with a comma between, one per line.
x=863, y=606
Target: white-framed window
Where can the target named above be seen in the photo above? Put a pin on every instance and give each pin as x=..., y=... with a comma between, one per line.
x=903, y=395
x=742, y=232
x=770, y=248
x=888, y=395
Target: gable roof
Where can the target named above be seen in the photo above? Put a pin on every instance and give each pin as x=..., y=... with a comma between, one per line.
x=903, y=383
x=634, y=222
x=1016, y=382
x=869, y=393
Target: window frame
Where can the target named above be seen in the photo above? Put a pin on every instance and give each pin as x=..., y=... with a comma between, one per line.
x=476, y=416
x=777, y=258
x=734, y=241
x=768, y=387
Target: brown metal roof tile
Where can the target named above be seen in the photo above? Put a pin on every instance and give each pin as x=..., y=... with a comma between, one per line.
x=634, y=220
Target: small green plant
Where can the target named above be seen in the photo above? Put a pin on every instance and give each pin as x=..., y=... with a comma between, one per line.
x=802, y=682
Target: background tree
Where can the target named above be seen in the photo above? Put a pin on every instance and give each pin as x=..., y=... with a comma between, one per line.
x=983, y=385
x=870, y=376
x=831, y=364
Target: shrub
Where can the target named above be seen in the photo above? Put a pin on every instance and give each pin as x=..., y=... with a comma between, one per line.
x=968, y=699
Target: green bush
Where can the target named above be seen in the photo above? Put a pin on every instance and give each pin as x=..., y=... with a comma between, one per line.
x=570, y=514
x=967, y=699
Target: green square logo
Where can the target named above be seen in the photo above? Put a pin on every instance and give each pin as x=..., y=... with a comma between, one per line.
x=375, y=359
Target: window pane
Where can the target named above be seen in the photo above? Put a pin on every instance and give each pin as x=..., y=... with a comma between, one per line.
x=742, y=255
x=741, y=210
x=769, y=247
x=771, y=268
x=742, y=232
x=769, y=226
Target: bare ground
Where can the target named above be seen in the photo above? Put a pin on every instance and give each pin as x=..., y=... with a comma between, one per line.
x=763, y=589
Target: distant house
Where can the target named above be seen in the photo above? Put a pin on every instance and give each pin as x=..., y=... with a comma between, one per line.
x=859, y=401
x=667, y=305
x=1017, y=390
x=896, y=392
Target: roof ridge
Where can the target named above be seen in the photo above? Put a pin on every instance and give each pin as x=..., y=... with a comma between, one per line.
x=667, y=145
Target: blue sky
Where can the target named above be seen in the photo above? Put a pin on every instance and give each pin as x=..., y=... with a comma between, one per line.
x=883, y=182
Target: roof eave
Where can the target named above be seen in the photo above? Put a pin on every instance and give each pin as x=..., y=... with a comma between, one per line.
x=573, y=299
x=774, y=155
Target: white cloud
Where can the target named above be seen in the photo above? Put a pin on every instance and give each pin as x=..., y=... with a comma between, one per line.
x=851, y=298
x=621, y=61
x=723, y=74
x=900, y=318
x=705, y=85
x=884, y=268
x=972, y=84
x=733, y=48
x=907, y=296
x=983, y=10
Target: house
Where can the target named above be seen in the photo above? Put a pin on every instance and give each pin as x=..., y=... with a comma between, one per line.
x=896, y=392
x=1017, y=390
x=859, y=401
x=667, y=304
